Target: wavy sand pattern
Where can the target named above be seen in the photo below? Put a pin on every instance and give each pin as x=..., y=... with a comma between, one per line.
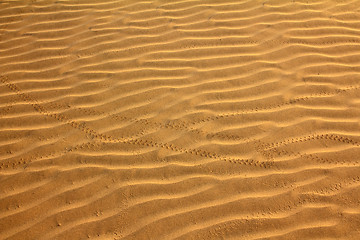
x=182, y=119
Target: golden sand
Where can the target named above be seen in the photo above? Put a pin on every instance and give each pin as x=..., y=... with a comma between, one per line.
x=186, y=119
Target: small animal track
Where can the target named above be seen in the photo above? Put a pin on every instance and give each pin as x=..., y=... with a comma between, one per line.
x=279, y=105
x=201, y=153
x=274, y=152
x=105, y=138
x=24, y=161
x=180, y=126
x=5, y=110
x=332, y=137
x=43, y=111
x=336, y=187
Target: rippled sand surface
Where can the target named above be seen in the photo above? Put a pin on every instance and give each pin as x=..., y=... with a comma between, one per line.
x=186, y=119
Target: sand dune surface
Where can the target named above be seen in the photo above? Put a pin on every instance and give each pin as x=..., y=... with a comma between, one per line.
x=181, y=119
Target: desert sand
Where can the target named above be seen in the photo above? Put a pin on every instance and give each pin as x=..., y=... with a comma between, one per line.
x=184, y=119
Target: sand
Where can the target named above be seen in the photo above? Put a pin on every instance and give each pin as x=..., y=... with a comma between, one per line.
x=183, y=119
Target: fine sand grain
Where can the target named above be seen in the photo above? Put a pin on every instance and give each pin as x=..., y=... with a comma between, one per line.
x=180, y=119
